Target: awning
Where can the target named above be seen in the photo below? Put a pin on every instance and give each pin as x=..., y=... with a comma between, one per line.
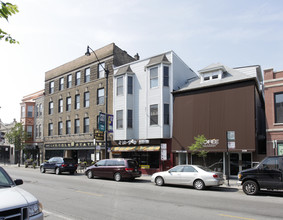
x=123, y=149
x=148, y=148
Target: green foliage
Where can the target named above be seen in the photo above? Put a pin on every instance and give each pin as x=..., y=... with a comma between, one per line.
x=17, y=136
x=198, y=149
x=7, y=9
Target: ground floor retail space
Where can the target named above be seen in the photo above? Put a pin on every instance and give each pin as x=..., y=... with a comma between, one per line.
x=228, y=163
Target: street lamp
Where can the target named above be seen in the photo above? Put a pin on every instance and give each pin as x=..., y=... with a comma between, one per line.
x=106, y=95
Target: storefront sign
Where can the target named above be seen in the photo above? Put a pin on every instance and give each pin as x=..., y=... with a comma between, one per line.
x=98, y=135
x=133, y=142
x=211, y=143
x=163, y=152
x=101, y=121
x=73, y=144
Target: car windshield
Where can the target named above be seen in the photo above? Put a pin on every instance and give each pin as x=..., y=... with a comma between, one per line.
x=205, y=168
x=5, y=180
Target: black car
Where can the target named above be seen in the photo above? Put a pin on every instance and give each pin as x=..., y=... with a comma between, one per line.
x=116, y=169
x=59, y=165
x=266, y=175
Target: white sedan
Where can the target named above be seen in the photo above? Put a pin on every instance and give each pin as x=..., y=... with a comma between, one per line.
x=193, y=175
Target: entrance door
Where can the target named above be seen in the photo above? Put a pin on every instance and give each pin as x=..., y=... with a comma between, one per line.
x=234, y=164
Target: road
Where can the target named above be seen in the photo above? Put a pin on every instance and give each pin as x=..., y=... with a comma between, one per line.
x=76, y=197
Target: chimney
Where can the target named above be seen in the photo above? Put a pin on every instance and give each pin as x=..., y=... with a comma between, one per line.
x=137, y=57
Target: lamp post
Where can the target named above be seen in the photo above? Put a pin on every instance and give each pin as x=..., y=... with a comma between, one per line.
x=106, y=95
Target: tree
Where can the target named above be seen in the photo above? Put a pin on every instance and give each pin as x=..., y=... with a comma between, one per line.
x=17, y=136
x=7, y=9
x=198, y=147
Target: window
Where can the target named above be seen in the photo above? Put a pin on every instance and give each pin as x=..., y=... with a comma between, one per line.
x=50, y=129
x=130, y=118
x=51, y=87
x=60, y=128
x=270, y=164
x=60, y=105
x=77, y=102
x=101, y=72
x=36, y=131
x=215, y=77
x=78, y=78
x=154, y=115
x=23, y=111
x=165, y=76
x=69, y=81
x=50, y=108
x=39, y=130
x=130, y=85
x=30, y=111
x=29, y=131
x=87, y=75
x=120, y=86
x=206, y=78
x=68, y=105
x=68, y=127
x=36, y=110
x=189, y=169
x=40, y=109
x=86, y=125
x=61, y=83
x=119, y=114
x=86, y=99
x=77, y=126
x=166, y=114
x=154, y=77
x=100, y=96
x=278, y=102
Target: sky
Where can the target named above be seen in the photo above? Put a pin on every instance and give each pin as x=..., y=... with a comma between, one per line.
x=201, y=32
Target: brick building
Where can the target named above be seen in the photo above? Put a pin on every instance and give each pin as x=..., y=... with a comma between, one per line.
x=75, y=95
x=273, y=89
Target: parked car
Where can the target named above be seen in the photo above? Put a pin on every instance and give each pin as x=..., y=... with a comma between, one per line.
x=16, y=203
x=193, y=175
x=266, y=175
x=59, y=165
x=117, y=169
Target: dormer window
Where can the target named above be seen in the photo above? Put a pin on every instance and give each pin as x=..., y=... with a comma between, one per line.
x=206, y=78
x=215, y=77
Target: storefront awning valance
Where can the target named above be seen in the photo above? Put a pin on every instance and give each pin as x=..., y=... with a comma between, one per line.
x=135, y=148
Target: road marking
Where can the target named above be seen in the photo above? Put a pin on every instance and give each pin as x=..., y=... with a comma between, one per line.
x=238, y=217
x=89, y=193
x=56, y=215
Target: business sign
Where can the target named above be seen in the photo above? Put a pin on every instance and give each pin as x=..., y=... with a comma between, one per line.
x=163, y=152
x=98, y=135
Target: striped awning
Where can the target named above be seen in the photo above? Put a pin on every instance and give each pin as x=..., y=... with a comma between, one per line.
x=123, y=149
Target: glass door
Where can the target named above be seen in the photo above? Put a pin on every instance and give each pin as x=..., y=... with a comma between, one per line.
x=234, y=164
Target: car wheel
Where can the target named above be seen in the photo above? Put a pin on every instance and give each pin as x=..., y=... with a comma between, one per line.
x=42, y=170
x=250, y=187
x=89, y=175
x=159, y=181
x=57, y=171
x=117, y=177
x=199, y=184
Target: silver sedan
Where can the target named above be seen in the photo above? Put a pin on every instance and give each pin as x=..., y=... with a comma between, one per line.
x=193, y=175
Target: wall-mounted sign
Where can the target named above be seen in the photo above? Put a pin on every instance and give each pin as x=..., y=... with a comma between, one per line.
x=101, y=121
x=163, y=152
x=98, y=135
x=110, y=123
x=132, y=142
x=211, y=143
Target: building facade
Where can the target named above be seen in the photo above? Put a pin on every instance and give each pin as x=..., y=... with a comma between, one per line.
x=273, y=89
x=143, y=109
x=226, y=106
x=7, y=150
x=30, y=121
x=74, y=97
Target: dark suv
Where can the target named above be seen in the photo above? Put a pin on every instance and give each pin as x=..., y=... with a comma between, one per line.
x=116, y=169
x=266, y=175
x=59, y=165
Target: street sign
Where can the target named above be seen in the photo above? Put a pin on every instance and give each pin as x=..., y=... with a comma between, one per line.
x=110, y=123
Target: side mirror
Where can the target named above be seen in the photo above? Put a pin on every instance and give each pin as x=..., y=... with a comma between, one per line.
x=18, y=182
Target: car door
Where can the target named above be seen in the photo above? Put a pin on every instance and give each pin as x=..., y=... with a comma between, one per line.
x=270, y=175
x=98, y=169
x=48, y=165
x=173, y=176
x=188, y=175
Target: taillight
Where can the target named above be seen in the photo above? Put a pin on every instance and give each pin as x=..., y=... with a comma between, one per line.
x=215, y=175
x=63, y=165
x=129, y=169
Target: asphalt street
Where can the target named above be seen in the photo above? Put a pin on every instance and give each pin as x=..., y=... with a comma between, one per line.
x=76, y=197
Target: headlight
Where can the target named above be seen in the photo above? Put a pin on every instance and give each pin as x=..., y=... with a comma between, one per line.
x=239, y=176
x=34, y=209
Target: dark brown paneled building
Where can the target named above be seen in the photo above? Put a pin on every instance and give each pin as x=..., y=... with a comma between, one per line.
x=227, y=107
x=75, y=94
